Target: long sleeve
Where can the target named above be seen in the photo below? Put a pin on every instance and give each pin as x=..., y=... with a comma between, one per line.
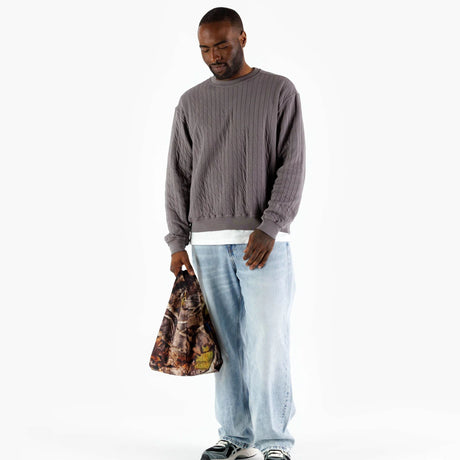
x=286, y=193
x=177, y=184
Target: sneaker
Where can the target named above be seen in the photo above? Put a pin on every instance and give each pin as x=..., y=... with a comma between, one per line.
x=276, y=454
x=224, y=449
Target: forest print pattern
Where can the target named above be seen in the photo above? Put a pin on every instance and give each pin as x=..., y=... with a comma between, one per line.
x=187, y=343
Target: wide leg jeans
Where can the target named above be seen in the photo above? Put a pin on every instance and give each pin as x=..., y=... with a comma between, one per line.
x=250, y=311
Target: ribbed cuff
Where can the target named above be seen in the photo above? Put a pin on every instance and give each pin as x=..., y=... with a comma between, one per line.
x=269, y=227
x=176, y=246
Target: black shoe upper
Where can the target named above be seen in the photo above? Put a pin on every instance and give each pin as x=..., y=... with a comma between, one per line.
x=221, y=450
x=276, y=454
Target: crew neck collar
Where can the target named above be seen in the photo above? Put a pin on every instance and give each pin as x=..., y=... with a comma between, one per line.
x=234, y=81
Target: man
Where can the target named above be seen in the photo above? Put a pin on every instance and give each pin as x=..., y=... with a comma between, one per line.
x=235, y=174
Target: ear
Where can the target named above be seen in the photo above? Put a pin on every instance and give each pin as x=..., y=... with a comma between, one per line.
x=243, y=38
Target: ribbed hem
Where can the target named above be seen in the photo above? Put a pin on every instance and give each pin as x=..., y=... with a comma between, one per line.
x=225, y=222
x=238, y=223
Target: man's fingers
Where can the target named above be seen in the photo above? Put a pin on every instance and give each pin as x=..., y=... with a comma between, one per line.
x=256, y=257
x=247, y=251
x=264, y=260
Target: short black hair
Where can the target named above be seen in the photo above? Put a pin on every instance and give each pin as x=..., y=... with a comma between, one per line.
x=223, y=14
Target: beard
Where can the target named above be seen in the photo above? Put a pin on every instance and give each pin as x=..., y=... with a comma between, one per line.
x=232, y=67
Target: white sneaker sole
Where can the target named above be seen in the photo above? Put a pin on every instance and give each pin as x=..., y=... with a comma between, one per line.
x=248, y=453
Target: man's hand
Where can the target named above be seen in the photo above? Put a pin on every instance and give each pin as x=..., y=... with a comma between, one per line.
x=259, y=247
x=177, y=260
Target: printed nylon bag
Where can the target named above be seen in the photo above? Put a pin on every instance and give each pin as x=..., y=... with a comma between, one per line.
x=187, y=343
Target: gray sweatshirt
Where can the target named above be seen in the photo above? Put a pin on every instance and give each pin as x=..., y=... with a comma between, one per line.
x=236, y=157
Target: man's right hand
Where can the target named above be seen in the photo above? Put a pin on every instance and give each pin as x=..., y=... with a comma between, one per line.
x=177, y=260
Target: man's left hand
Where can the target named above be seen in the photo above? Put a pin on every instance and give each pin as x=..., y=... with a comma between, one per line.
x=259, y=247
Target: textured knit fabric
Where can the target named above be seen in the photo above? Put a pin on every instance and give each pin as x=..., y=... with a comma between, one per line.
x=229, y=237
x=236, y=158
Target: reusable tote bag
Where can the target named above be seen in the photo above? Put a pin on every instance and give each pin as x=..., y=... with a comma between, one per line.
x=186, y=344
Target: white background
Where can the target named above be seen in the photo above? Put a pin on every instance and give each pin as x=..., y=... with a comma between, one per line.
x=88, y=91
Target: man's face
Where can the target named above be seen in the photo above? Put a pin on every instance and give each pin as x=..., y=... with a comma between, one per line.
x=221, y=47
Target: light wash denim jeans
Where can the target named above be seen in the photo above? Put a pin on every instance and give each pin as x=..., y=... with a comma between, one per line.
x=250, y=311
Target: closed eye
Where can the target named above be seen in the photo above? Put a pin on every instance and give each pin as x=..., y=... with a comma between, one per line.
x=220, y=48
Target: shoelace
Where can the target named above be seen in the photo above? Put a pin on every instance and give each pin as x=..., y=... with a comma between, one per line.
x=224, y=443
x=277, y=453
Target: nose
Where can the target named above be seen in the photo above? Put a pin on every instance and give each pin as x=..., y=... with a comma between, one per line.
x=215, y=56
